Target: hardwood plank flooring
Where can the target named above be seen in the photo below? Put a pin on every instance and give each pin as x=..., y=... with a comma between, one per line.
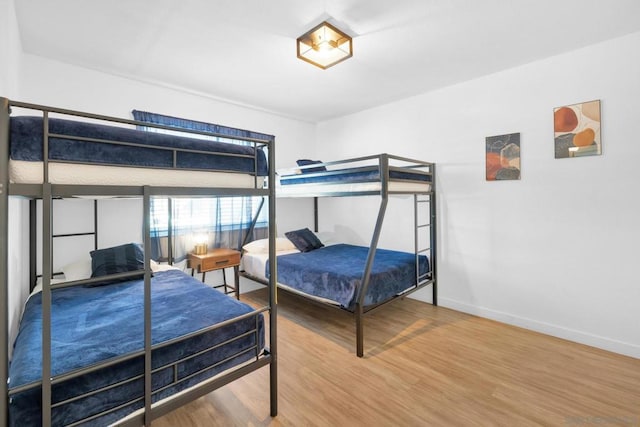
x=423, y=366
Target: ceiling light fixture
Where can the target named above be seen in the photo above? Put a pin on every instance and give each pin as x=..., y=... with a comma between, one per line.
x=324, y=46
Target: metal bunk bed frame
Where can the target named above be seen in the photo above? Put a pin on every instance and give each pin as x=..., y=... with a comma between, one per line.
x=47, y=191
x=384, y=167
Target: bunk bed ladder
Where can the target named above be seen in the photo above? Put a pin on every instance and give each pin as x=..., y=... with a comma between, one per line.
x=419, y=227
x=423, y=226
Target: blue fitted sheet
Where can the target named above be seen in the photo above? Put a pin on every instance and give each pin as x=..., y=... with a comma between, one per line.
x=27, y=136
x=335, y=272
x=355, y=175
x=94, y=324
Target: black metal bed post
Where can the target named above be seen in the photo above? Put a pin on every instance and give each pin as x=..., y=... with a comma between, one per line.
x=146, y=222
x=433, y=233
x=273, y=290
x=169, y=230
x=384, y=194
x=47, y=213
x=4, y=262
x=416, y=228
x=315, y=214
x=95, y=224
x=47, y=272
x=33, y=248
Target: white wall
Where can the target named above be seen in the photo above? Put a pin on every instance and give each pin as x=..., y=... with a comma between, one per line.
x=18, y=209
x=17, y=267
x=119, y=222
x=556, y=251
x=9, y=50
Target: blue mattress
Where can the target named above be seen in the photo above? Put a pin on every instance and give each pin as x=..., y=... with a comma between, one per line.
x=27, y=135
x=356, y=175
x=335, y=272
x=93, y=324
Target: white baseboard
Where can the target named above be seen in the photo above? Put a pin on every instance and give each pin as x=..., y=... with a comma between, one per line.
x=608, y=344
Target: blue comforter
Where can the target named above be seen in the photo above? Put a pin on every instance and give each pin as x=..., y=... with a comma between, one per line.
x=27, y=136
x=94, y=324
x=335, y=272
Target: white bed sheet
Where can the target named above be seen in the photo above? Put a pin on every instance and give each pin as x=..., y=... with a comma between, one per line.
x=24, y=172
x=256, y=263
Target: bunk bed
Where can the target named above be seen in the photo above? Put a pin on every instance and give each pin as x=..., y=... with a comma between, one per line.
x=355, y=279
x=159, y=339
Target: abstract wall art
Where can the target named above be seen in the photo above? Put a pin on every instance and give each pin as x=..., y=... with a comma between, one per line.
x=503, y=157
x=577, y=130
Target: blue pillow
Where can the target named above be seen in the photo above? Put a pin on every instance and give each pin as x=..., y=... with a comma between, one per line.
x=305, y=162
x=117, y=259
x=304, y=240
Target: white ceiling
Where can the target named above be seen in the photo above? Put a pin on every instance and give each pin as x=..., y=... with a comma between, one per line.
x=244, y=51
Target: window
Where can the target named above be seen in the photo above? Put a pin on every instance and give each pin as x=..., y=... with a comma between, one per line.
x=220, y=217
x=207, y=214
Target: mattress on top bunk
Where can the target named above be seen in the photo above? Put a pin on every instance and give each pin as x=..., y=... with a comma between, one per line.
x=22, y=172
x=93, y=324
x=26, y=140
x=335, y=273
x=354, y=179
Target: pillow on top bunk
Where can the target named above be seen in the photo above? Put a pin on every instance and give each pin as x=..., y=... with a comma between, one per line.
x=262, y=245
x=117, y=259
x=305, y=162
x=304, y=239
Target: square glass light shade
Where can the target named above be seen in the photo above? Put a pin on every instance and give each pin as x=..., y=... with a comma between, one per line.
x=324, y=46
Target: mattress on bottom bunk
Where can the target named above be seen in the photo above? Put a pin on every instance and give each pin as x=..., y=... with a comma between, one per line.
x=93, y=324
x=150, y=149
x=335, y=272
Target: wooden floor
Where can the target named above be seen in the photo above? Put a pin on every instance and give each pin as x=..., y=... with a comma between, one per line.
x=423, y=366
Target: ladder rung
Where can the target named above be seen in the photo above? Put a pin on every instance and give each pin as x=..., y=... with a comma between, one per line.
x=421, y=251
x=423, y=225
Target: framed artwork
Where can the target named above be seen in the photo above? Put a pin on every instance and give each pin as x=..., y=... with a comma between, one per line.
x=577, y=130
x=503, y=157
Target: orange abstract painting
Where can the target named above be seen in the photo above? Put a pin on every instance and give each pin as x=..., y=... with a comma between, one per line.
x=503, y=157
x=577, y=130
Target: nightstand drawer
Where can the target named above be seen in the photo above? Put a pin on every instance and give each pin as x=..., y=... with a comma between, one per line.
x=220, y=261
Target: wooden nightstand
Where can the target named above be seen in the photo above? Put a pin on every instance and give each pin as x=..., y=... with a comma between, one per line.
x=218, y=259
